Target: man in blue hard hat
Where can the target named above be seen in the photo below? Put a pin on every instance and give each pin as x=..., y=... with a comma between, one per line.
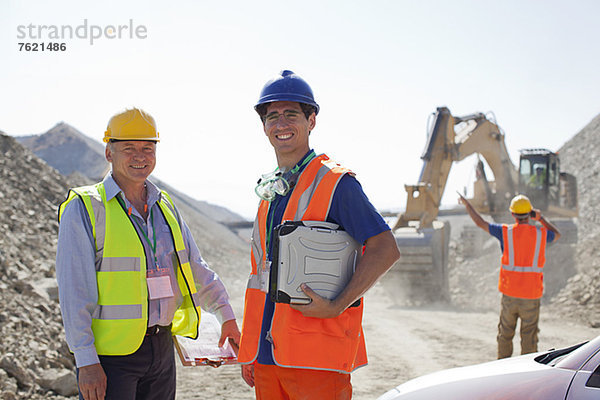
x=307, y=351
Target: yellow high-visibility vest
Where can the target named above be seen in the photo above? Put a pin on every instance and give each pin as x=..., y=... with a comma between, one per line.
x=120, y=319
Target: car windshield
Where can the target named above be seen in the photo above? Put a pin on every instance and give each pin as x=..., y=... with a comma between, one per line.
x=554, y=356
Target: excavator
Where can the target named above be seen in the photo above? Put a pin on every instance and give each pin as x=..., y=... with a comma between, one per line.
x=423, y=240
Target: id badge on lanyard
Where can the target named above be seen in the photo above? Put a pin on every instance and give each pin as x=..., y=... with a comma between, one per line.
x=158, y=279
x=159, y=283
x=263, y=276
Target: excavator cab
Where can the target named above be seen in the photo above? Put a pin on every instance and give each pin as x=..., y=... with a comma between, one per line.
x=541, y=180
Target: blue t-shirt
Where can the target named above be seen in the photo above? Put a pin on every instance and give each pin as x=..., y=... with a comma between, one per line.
x=350, y=209
x=496, y=231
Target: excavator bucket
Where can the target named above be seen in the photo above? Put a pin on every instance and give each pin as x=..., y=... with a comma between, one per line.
x=420, y=276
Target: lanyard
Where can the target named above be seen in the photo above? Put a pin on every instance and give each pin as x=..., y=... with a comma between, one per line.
x=270, y=223
x=151, y=244
x=306, y=161
x=271, y=212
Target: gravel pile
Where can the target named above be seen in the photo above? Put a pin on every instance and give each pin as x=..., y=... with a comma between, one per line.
x=34, y=360
x=580, y=298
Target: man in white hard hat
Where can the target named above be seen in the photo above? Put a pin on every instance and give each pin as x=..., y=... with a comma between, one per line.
x=521, y=280
x=130, y=274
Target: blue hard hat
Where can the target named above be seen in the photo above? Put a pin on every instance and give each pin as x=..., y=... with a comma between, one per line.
x=287, y=86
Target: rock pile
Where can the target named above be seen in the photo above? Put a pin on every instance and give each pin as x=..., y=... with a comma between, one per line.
x=35, y=362
x=581, y=295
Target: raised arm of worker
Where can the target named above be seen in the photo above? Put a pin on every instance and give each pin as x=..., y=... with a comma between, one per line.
x=547, y=224
x=475, y=216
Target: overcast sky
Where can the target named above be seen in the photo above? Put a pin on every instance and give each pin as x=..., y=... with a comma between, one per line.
x=377, y=68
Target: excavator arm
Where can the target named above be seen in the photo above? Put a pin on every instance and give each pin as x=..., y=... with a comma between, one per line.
x=444, y=146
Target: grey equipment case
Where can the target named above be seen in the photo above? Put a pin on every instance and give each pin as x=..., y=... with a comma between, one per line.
x=311, y=252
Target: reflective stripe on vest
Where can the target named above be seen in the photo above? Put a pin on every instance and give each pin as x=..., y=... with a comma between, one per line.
x=523, y=260
x=126, y=311
x=113, y=264
x=335, y=344
x=120, y=319
x=511, y=253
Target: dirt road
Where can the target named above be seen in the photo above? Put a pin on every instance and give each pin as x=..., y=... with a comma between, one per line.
x=402, y=343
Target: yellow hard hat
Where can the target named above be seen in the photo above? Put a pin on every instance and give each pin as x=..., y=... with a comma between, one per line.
x=520, y=204
x=134, y=124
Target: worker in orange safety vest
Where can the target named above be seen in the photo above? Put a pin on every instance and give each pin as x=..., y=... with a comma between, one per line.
x=307, y=351
x=521, y=280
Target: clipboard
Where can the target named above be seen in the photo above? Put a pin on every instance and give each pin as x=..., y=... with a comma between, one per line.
x=205, y=350
x=313, y=252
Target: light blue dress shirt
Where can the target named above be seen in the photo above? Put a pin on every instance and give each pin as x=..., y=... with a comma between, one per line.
x=77, y=262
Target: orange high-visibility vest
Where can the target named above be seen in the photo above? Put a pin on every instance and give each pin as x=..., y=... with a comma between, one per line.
x=523, y=261
x=334, y=344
